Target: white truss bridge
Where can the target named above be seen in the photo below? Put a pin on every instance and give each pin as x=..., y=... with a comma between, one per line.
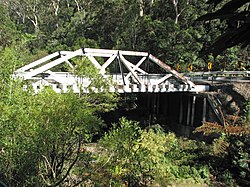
x=131, y=77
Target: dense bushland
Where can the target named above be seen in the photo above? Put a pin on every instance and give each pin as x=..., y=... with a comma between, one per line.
x=46, y=139
x=148, y=157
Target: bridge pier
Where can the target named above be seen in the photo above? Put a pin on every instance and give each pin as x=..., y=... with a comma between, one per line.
x=204, y=109
x=179, y=112
x=193, y=111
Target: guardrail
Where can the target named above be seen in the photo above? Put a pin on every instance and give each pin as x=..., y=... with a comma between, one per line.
x=219, y=73
x=219, y=76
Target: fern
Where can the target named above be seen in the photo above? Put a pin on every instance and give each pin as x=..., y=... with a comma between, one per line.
x=220, y=146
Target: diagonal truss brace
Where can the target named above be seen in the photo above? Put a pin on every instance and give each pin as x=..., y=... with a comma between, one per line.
x=136, y=67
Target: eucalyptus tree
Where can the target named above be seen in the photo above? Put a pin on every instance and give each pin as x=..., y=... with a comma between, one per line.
x=25, y=11
x=167, y=29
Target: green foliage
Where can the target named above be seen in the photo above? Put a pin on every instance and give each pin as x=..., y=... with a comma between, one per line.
x=168, y=31
x=47, y=128
x=239, y=155
x=247, y=110
x=41, y=135
x=142, y=157
x=8, y=29
x=229, y=60
x=97, y=86
x=10, y=59
x=122, y=143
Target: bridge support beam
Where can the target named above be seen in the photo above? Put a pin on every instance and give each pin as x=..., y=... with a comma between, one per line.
x=193, y=110
x=204, y=110
x=181, y=110
x=188, y=111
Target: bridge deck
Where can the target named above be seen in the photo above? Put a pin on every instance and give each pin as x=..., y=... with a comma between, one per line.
x=63, y=82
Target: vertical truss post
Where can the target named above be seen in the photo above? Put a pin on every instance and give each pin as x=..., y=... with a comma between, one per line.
x=120, y=66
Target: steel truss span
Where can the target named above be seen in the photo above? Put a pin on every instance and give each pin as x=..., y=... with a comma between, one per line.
x=131, y=77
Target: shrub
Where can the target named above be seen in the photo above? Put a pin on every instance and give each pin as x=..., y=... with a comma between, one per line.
x=142, y=157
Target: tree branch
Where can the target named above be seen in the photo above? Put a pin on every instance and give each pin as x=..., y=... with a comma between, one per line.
x=71, y=165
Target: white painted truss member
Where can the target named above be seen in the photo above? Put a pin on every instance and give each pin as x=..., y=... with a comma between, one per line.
x=131, y=76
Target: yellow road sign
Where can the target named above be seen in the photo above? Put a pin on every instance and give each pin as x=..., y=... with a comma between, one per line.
x=209, y=65
x=190, y=67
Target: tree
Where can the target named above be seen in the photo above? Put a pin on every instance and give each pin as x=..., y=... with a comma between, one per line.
x=42, y=135
x=159, y=33
x=236, y=16
x=7, y=28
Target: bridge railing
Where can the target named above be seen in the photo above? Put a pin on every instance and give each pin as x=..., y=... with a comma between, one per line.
x=222, y=76
x=220, y=73
x=62, y=82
